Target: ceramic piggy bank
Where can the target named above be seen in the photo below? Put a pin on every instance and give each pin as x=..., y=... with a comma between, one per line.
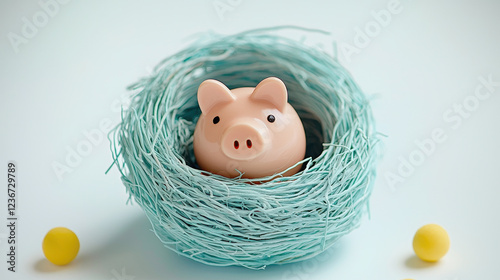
x=249, y=131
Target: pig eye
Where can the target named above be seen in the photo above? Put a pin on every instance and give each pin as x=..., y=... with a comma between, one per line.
x=271, y=118
x=216, y=120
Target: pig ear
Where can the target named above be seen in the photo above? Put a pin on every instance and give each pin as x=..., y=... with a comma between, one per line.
x=211, y=93
x=272, y=90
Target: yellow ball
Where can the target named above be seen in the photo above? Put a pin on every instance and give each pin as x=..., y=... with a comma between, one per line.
x=431, y=242
x=60, y=246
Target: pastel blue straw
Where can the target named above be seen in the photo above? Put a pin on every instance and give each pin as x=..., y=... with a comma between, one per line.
x=248, y=222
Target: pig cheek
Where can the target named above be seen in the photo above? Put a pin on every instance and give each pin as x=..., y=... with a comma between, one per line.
x=212, y=132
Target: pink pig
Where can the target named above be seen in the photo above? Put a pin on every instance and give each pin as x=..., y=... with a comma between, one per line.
x=251, y=130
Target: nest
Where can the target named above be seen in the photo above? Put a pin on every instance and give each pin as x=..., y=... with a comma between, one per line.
x=237, y=221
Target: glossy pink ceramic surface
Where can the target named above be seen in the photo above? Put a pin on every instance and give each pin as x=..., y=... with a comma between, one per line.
x=251, y=130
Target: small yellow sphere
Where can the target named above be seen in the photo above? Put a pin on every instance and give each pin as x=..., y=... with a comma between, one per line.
x=431, y=242
x=60, y=246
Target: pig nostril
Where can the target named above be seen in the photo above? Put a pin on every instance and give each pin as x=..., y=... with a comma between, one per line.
x=249, y=143
x=236, y=144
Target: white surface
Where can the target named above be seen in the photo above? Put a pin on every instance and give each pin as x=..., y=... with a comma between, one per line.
x=72, y=74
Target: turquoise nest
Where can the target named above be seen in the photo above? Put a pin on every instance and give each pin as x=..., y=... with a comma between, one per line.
x=248, y=222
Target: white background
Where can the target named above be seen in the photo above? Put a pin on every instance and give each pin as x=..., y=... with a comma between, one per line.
x=72, y=73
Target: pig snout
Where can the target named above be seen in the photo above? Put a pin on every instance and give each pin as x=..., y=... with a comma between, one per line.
x=243, y=141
